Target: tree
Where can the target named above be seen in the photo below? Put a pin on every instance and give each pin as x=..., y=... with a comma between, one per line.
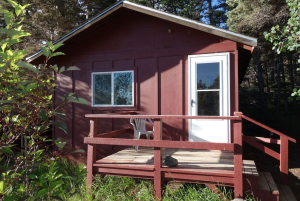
x=253, y=18
x=207, y=11
x=193, y=9
x=216, y=13
x=287, y=37
x=50, y=20
x=27, y=111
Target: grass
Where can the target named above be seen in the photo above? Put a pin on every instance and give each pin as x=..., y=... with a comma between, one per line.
x=119, y=188
x=124, y=188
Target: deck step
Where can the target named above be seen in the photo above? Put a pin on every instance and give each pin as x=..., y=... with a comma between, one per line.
x=267, y=189
x=285, y=193
x=267, y=183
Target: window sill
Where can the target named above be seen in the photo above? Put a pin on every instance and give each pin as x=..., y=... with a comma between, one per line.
x=115, y=108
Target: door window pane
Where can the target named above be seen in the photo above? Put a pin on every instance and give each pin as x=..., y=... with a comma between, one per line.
x=123, y=88
x=208, y=76
x=102, y=89
x=208, y=103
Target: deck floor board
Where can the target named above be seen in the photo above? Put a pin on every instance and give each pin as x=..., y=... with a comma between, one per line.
x=187, y=159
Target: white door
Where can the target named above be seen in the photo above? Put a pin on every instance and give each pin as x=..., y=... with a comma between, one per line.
x=209, y=95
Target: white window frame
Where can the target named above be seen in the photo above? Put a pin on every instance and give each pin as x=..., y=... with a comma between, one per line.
x=112, y=88
x=220, y=90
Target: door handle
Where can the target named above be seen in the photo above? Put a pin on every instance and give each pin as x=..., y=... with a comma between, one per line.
x=192, y=102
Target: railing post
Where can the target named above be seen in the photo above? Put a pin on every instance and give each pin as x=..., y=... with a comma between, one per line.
x=238, y=156
x=284, y=160
x=157, y=159
x=91, y=154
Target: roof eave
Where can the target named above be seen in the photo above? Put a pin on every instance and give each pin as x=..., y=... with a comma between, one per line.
x=192, y=24
x=162, y=15
x=80, y=28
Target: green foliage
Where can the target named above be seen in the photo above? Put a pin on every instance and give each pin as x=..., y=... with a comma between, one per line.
x=27, y=112
x=287, y=38
x=49, y=20
x=51, y=180
x=66, y=180
x=253, y=17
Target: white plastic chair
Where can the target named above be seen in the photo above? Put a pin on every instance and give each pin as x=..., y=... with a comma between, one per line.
x=139, y=127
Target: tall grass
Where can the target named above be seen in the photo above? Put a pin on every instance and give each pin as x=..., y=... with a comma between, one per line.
x=124, y=188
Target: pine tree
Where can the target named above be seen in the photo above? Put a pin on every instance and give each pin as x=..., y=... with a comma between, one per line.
x=271, y=75
x=49, y=20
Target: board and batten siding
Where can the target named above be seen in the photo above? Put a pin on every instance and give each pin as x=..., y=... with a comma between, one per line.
x=160, y=61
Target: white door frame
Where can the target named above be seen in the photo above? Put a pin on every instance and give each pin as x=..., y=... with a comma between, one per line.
x=224, y=60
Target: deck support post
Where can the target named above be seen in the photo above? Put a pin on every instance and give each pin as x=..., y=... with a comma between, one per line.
x=157, y=159
x=284, y=155
x=91, y=154
x=238, y=156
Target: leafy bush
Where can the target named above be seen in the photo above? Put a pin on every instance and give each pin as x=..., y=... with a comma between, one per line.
x=286, y=38
x=27, y=111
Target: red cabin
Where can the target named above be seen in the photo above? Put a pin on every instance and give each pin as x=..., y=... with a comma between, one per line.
x=180, y=73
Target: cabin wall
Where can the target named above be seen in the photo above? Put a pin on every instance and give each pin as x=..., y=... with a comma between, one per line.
x=160, y=61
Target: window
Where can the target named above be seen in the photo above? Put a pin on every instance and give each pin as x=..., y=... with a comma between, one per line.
x=208, y=89
x=112, y=89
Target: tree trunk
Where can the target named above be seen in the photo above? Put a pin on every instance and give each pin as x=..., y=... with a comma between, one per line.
x=61, y=7
x=88, y=10
x=261, y=86
x=273, y=82
x=278, y=88
x=210, y=12
x=267, y=81
x=273, y=75
x=153, y=4
x=286, y=102
x=291, y=72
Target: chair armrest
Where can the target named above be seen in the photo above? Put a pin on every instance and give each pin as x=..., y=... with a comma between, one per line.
x=131, y=122
x=151, y=122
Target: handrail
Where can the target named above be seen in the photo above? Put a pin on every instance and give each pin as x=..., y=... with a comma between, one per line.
x=113, y=133
x=261, y=147
x=161, y=116
x=268, y=128
x=158, y=144
x=284, y=149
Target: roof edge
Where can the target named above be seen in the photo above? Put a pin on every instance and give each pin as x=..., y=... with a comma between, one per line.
x=32, y=57
x=162, y=15
x=192, y=23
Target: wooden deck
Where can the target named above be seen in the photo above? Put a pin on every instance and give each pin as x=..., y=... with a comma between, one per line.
x=188, y=159
x=208, y=163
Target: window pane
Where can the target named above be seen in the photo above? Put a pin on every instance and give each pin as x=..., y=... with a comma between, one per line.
x=102, y=89
x=208, y=103
x=208, y=76
x=123, y=88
